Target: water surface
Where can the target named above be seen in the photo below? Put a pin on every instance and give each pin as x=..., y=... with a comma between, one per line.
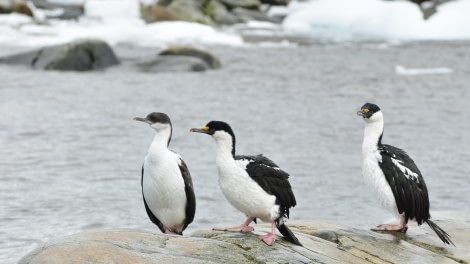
x=70, y=153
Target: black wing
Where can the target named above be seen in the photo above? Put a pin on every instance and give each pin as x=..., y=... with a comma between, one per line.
x=406, y=182
x=152, y=217
x=272, y=179
x=190, y=197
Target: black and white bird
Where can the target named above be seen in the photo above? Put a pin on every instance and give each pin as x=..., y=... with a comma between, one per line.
x=167, y=188
x=254, y=185
x=393, y=177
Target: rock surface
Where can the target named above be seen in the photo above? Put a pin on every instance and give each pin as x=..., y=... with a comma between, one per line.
x=211, y=12
x=207, y=57
x=323, y=243
x=173, y=64
x=80, y=55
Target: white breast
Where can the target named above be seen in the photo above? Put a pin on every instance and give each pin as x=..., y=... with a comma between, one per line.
x=375, y=180
x=163, y=187
x=244, y=193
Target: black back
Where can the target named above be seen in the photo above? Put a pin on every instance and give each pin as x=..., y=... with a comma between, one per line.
x=190, y=196
x=409, y=190
x=272, y=179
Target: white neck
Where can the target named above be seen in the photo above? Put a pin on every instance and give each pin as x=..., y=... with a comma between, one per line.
x=372, y=132
x=224, y=157
x=160, y=141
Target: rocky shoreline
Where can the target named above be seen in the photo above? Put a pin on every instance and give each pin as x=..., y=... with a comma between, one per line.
x=323, y=243
x=95, y=54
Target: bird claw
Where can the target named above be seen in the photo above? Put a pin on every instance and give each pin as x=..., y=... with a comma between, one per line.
x=268, y=238
x=391, y=227
x=243, y=229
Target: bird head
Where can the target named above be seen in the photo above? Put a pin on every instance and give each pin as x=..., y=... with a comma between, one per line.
x=158, y=121
x=220, y=131
x=370, y=112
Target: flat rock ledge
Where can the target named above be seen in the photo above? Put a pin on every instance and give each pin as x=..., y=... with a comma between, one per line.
x=323, y=243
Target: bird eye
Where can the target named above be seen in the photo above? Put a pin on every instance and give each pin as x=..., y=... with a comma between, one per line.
x=366, y=110
x=205, y=128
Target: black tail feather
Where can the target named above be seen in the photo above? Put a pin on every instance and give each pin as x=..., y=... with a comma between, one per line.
x=440, y=232
x=287, y=233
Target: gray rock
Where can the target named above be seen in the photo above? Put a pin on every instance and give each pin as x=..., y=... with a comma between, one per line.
x=173, y=64
x=245, y=15
x=219, y=13
x=164, y=2
x=81, y=55
x=212, y=61
x=275, y=2
x=157, y=13
x=188, y=10
x=66, y=11
x=6, y=6
x=323, y=243
x=250, y=4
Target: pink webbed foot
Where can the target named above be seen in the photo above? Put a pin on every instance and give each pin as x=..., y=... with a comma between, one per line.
x=268, y=238
x=240, y=228
x=391, y=227
x=168, y=232
x=244, y=228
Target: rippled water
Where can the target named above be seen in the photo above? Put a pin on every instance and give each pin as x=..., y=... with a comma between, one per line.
x=70, y=153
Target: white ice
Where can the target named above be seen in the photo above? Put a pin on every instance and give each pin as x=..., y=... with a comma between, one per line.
x=118, y=21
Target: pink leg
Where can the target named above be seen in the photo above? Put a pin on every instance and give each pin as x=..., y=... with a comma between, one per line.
x=168, y=232
x=402, y=227
x=269, y=238
x=244, y=228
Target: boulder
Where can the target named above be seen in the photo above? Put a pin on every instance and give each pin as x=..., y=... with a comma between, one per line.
x=276, y=2
x=322, y=243
x=22, y=8
x=173, y=64
x=207, y=57
x=80, y=55
x=6, y=6
x=246, y=15
x=188, y=10
x=164, y=2
x=60, y=9
x=250, y=4
x=219, y=13
x=157, y=13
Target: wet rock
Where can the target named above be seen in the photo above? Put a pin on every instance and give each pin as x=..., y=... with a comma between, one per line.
x=157, y=13
x=164, y=2
x=80, y=55
x=208, y=58
x=22, y=8
x=250, y=4
x=189, y=10
x=213, y=12
x=219, y=13
x=245, y=15
x=173, y=64
x=10, y=6
x=60, y=10
x=323, y=243
x=6, y=6
x=275, y=2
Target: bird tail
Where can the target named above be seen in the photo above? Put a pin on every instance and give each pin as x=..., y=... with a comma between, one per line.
x=287, y=233
x=440, y=232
